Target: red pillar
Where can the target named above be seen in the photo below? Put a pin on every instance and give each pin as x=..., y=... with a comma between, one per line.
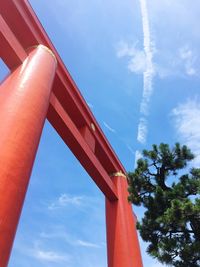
x=122, y=241
x=24, y=101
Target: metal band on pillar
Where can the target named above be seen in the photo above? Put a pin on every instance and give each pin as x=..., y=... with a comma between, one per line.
x=118, y=174
x=43, y=47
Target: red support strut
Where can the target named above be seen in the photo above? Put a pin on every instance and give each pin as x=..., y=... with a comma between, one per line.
x=24, y=101
x=122, y=242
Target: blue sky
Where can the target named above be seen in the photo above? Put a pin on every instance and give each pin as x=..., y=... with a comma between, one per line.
x=137, y=65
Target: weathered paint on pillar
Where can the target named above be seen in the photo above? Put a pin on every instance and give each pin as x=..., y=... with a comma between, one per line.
x=24, y=101
x=122, y=242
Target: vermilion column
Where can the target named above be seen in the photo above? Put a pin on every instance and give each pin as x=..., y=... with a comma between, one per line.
x=122, y=242
x=24, y=100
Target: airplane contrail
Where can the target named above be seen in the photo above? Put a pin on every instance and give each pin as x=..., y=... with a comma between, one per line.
x=147, y=75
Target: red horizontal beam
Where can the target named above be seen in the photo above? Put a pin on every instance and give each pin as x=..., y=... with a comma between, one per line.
x=100, y=161
x=11, y=50
x=72, y=137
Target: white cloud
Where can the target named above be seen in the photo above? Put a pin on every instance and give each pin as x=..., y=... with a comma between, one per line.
x=142, y=131
x=177, y=48
x=61, y=234
x=187, y=124
x=124, y=49
x=65, y=200
x=185, y=53
x=137, y=63
x=181, y=61
x=87, y=244
x=50, y=256
x=188, y=59
x=190, y=71
x=109, y=128
x=44, y=255
x=136, y=58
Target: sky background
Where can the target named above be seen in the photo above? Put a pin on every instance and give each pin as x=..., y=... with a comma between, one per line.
x=136, y=63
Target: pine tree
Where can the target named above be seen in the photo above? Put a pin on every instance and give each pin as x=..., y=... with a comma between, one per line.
x=171, y=222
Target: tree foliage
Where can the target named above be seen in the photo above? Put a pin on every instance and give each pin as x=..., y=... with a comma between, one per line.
x=171, y=222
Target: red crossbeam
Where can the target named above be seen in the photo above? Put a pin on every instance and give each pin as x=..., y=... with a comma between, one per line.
x=11, y=50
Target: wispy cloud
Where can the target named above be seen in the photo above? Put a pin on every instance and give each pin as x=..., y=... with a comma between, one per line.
x=142, y=131
x=148, y=49
x=188, y=58
x=138, y=155
x=130, y=149
x=124, y=49
x=86, y=244
x=184, y=33
x=148, y=75
x=61, y=234
x=75, y=203
x=109, y=128
x=50, y=256
x=34, y=249
x=187, y=125
x=65, y=200
x=136, y=57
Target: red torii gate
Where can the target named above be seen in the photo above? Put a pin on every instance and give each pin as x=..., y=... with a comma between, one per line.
x=39, y=87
